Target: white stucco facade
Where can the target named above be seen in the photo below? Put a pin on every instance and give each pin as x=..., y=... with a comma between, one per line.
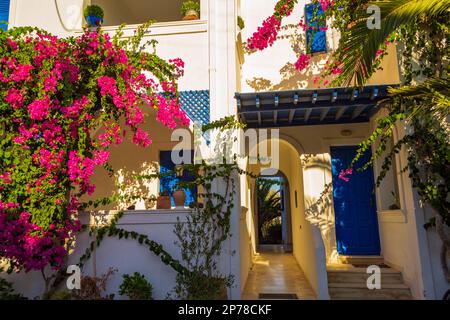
x=210, y=48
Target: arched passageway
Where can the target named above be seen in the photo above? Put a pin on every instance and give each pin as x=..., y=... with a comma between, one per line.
x=293, y=269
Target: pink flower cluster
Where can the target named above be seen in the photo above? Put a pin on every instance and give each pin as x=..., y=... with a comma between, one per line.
x=38, y=109
x=15, y=98
x=29, y=246
x=343, y=175
x=266, y=35
x=325, y=4
x=302, y=62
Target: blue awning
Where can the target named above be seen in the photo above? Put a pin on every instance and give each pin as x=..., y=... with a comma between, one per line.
x=310, y=106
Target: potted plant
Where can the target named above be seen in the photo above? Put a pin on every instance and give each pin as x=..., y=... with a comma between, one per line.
x=190, y=10
x=163, y=201
x=179, y=197
x=94, y=15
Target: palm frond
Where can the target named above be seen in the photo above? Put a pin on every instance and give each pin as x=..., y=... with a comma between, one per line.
x=430, y=96
x=360, y=44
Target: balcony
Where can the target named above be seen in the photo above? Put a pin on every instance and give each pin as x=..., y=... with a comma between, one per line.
x=187, y=40
x=139, y=11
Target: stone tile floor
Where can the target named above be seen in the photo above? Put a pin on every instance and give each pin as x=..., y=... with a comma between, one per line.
x=277, y=273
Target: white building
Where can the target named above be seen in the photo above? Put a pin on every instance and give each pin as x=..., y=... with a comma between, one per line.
x=316, y=127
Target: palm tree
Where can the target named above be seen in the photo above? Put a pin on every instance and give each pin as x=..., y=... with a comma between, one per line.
x=359, y=44
x=269, y=201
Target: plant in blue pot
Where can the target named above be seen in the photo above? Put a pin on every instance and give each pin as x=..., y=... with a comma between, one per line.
x=94, y=15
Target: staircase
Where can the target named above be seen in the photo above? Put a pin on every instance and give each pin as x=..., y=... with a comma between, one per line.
x=348, y=280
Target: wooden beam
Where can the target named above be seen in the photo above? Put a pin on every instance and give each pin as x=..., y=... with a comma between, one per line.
x=358, y=110
x=340, y=112
x=324, y=113
x=307, y=114
x=291, y=115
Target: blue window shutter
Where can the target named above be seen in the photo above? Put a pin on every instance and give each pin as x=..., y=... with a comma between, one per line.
x=4, y=13
x=315, y=38
x=168, y=182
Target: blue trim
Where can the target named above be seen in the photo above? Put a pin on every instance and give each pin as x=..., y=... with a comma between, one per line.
x=319, y=39
x=4, y=13
x=354, y=204
x=168, y=182
x=196, y=105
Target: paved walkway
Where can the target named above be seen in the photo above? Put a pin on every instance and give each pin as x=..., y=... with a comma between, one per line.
x=276, y=273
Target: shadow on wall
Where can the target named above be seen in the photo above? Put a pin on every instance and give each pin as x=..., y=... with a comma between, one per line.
x=130, y=161
x=291, y=78
x=319, y=208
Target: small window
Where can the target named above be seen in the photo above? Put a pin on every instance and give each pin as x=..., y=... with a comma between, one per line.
x=315, y=30
x=167, y=183
x=4, y=13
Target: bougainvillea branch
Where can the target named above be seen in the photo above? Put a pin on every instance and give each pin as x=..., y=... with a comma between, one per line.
x=54, y=93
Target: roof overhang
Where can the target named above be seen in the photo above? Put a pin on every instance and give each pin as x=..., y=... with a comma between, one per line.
x=310, y=106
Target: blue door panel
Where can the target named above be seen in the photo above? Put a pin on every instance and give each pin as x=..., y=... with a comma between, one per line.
x=354, y=205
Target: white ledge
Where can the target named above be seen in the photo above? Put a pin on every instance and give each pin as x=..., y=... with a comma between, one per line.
x=140, y=217
x=396, y=216
x=161, y=28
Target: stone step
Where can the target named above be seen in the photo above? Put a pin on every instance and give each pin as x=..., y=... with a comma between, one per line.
x=361, y=260
x=359, y=293
x=338, y=276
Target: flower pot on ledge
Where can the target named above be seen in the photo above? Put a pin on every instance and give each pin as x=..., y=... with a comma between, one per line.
x=179, y=197
x=163, y=202
x=191, y=15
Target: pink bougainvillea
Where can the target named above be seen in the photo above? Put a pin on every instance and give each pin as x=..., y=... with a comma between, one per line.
x=54, y=94
x=266, y=35
x=343, y=175
x=302, y=62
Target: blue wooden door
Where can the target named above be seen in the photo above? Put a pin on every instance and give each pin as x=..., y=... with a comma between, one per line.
x=354, y=205
x=4, y=13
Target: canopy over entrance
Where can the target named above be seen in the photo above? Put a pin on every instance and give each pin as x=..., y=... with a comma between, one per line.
x=309, y=106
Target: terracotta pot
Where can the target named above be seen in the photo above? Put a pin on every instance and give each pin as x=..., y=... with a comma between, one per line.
x=163, y=202
x=191, y=15
x=179, y=197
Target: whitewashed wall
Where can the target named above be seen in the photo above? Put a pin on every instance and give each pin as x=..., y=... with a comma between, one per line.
x=126, y=255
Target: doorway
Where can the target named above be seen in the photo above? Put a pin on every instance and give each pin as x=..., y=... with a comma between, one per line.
x=274, y=217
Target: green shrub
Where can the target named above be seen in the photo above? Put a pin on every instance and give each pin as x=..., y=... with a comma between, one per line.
x=136, y=287
x=190, y=5
x=7, y=291
x=93, y=10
